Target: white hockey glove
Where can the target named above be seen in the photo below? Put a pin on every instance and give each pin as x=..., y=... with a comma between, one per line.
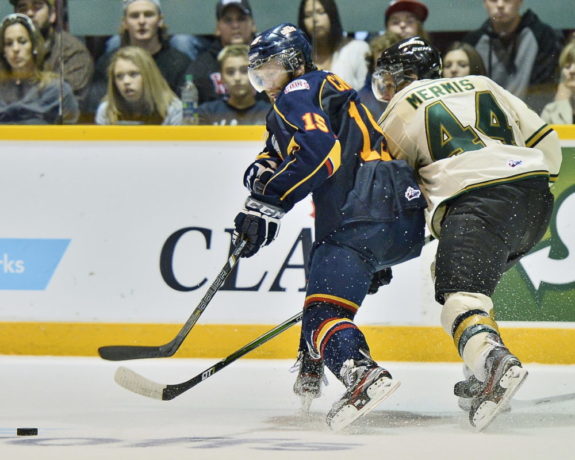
x=258, y=223
x=258, y=175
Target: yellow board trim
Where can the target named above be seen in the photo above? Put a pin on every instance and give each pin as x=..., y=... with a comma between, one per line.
x=159, y=133
x=565, y=132
x=132, y=133
x=215, y=341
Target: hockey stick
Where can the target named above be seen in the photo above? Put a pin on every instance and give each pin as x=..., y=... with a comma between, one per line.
x=526, y=403
x=122, y=352
x=136, y=383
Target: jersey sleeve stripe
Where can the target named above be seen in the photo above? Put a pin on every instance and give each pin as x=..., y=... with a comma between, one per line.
x=292, y=147
x=278, y=174
x=320, y=92
x=283, y=117
x=538, y=136
x=372, y=120
x=264, y=156
x=334, y=157
x=334, y=153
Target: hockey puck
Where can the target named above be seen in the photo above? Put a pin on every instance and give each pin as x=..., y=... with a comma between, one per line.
x=27, y=431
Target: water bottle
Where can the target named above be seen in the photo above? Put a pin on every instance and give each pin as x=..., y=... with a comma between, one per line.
x=190, y=101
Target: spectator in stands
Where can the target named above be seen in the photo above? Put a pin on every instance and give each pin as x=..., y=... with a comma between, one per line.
x=562, y=110
x=137, y=92
x=405, y=18
x=519, y=51
x=377, y=45
x=235, y=26
x=461, y=59
x=190, y=45
x=76, y=64
x=143, y=25
x=332, y=51
x=29, y=95
x=240, y=106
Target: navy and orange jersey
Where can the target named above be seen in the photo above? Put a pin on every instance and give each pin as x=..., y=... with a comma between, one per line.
x=320, y=133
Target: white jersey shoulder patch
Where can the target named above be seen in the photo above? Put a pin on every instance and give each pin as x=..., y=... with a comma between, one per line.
x=296, y=85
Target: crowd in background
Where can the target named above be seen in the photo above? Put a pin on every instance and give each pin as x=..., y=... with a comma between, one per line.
x=139, y=75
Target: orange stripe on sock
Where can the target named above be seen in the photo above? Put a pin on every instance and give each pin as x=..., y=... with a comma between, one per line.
x=332, y=332
x=325, y=328
x=347, y=304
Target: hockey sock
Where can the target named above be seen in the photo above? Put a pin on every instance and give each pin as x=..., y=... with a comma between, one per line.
x=341, y=342
x=331, y=334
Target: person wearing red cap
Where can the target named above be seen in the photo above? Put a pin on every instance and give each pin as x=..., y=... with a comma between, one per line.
x=405, y=18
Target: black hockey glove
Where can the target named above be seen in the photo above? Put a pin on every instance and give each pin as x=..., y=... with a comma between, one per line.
x=380, y=278
x=258, y=174
x=258, y=223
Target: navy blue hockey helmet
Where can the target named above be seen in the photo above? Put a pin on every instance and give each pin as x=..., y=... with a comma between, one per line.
x=408, y=60
x=284, y=41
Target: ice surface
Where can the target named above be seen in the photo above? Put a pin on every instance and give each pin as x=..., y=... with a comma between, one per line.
x=248, y=410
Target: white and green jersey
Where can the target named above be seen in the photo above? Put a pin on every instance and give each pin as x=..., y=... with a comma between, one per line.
x=466, y=133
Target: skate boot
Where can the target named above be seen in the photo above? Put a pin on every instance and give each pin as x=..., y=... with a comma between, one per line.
x=367, y=385
x=467, y=389
x=504, y=377
x=308, y=382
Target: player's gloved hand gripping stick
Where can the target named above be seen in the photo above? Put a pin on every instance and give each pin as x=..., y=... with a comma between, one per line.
x=123, y=352
x=258, y=223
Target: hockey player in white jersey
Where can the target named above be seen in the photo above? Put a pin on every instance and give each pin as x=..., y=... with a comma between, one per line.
x=485, y=162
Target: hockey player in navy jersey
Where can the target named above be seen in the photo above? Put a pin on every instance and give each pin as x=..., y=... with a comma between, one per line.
x=368, y=211
x=485, y=160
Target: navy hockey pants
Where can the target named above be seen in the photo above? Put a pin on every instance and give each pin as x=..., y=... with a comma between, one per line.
x=341, y=268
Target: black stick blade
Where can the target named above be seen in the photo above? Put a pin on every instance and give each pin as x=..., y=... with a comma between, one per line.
x=125, y=352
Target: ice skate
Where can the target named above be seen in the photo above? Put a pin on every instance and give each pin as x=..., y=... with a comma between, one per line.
x=466, y=390
x=367, y=385
x=504, y=377
x=308, y=382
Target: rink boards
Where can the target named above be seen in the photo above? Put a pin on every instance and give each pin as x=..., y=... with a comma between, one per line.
x=112, y=235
